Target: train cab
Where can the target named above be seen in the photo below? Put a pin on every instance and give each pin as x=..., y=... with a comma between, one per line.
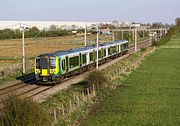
x=45, y=68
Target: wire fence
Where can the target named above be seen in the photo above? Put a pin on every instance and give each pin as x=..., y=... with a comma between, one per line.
x=65, y=110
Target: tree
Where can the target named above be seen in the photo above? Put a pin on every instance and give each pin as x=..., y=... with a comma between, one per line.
x=34, y=29
x=157, y=25
x=53, y=28
x=115, y=23
x=177, y=21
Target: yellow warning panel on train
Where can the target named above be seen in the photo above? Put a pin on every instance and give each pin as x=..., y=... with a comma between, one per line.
x=44, y=72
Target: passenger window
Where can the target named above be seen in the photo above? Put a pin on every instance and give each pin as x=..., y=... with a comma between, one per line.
x=74, y=61
x=104, y=52
x=84, y=59
x=63, y=65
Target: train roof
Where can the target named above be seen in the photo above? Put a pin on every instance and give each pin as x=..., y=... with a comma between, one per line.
x=71, y=51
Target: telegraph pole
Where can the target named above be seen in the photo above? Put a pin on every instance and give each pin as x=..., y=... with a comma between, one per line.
x=85, y=36
x=97, y=40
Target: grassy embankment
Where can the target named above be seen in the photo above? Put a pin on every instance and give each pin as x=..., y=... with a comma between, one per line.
x=149, y=96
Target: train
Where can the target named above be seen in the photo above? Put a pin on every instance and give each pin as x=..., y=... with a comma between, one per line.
x=51, y=68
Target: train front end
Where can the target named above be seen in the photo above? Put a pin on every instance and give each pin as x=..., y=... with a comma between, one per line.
x=46, y=68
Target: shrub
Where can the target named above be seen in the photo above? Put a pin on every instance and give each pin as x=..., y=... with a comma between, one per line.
x=154, y=43
x=23, y=112
x=143, y=49
x=97, y=78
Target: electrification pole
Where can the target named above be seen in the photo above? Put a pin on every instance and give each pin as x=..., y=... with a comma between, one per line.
x=122, y=34
x=24, y=68
x=135, y=32
x=85, y=36
x=97, y=40
x=23, y=49
x=113, y=35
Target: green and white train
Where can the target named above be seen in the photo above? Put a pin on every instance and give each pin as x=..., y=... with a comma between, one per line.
x=53, y=67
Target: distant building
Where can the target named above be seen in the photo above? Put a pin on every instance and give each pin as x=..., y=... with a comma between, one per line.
x=45, y=25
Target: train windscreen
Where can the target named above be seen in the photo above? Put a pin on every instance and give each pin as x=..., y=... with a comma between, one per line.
x=44, y=63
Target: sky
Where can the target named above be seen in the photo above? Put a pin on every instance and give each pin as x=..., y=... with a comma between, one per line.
x=141, y=11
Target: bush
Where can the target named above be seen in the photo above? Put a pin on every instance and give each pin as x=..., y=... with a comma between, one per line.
x=171, y=32
x=143, y=49
x=23, y=112
x=97, y=78
x=154, y=43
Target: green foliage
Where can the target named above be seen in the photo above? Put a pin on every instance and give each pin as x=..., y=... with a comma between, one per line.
x=31, y=33
x=23, y=112
x=172, y=31
x=156, y=25
x=154, y=43
x=143, y=49
x=177, y=21
x=97, y=78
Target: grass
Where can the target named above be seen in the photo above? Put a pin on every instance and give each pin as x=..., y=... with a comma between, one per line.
x=148, y=97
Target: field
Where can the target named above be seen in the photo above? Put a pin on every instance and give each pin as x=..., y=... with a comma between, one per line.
x=148, y=97
x=11, y=50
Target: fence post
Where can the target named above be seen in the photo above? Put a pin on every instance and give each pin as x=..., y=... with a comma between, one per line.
x=83, y=96
x=70, y=104
x=55, y=117
x=88, y=93
x=94, y=93
x=77, y=97
x=63, y=110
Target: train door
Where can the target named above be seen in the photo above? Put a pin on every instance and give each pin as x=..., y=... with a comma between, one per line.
x=80, y=59
x=44, y=65
x=94, y=55
x=67, y=64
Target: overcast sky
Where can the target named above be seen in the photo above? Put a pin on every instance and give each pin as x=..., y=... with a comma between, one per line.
x=143, y=11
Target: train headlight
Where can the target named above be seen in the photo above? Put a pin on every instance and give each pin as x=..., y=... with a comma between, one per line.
x=38, y=71
x=52, y=71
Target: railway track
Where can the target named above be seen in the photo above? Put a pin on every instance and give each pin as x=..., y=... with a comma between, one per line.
x=39, y=92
